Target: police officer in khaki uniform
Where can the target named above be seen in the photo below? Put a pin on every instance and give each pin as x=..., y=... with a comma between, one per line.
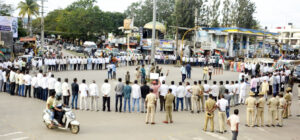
x=200, y=98
x=281, y=109
x=251, y=103
x=168, y=106
x=210, y=107
x=288, y=98
x=273, y=104
x=150, y=102
x=260, y=110
x=195, y=93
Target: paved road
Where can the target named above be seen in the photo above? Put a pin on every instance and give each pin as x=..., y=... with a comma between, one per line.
x=21, y=118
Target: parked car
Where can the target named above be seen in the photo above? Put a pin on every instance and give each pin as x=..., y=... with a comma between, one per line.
x=296, y=74
x=99, y=52
x=79, y=49
x=72, y=48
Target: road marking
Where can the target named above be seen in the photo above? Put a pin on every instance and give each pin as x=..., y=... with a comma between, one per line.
x=8, y=134
x=197, y=138
x=172, y=138
x=22, y=138
x=216, y=136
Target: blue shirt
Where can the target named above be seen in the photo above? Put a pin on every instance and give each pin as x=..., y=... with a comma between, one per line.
x=127, y=91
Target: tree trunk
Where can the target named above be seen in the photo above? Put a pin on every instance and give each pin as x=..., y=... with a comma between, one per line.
x=29, y=26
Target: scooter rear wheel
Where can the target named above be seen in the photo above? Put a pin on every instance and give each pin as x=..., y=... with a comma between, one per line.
x=74, y=129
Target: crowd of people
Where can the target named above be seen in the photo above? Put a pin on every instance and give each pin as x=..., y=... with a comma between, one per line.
x=138, y=95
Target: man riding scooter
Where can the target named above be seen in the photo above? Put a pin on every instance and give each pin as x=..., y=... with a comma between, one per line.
x=58, y=112
x=49, y=106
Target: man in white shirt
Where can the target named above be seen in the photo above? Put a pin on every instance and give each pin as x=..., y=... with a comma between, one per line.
x=206, y=90
x=233, y=121
x=174, y=89
x=188, y=96
x=27, y=80
x=215, y=90
x=183, y=73
x=222, y=105
x=44, y=83
x=105, y=89
x=136, y=95
x=83, y=92
x=236, y=93
x=243, y=88
x=180, y=95
x=163, y=90
x=34, y=85
x=94, y=92
x=51, y=84
x=66, y=92
x=12, y=81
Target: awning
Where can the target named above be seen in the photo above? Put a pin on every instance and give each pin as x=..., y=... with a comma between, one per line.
x=27, y=39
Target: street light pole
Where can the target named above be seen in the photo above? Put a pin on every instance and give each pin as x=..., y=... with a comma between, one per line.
x=42, y=25
x=153, y=32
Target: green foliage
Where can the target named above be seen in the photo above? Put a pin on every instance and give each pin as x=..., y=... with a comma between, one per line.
x=5, y=9
x=82, y=20
x=21, y=31
x=29, y=8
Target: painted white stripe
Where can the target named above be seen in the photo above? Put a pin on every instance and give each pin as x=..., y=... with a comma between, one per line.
x=12, y=133
x=22, y=138
x=172, y=138
x=216, y=136
x=197, y=138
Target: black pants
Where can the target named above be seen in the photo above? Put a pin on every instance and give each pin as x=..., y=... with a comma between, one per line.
x=66, y=100
x=93, y=66
x=12, y=88
x=35, y=91
x=17, y=89
x=209, y=75
x=85, y=66
x=174, y=108
x=40, y=93
x=75, y=66
x=100, y=66
x=79, y=66
x=58, y=115
x=106, y=102
x=28, y=89
x=119, y=97
x=162, y=102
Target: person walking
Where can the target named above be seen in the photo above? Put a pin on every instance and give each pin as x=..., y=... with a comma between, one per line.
x=205, y=73
x=210, y=107
x=127, y=95
x=273, y=104
x=183, y=73
x=119, y=94
x=66, y=92
x=188, y=68
x=75, y=90
x=210, y=70
x=222, y=104
x=145, y=90
x=105, y=89
x=83, y=92
x=251, y=104
x=94, y=93
x=168, y=106
x=151, y=103
x=136, y=94
x=233, y=121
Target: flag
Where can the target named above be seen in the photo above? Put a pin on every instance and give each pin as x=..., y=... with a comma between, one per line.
x=201, y=51
x=217, y=52
x=2, y=54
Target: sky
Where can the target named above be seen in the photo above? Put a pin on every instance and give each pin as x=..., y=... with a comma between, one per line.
x=271, y=13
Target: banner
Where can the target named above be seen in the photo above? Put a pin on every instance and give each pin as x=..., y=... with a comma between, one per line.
x=9, y=24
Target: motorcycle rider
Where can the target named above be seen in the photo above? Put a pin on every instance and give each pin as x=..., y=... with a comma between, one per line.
x=58, y=112
x=49, y=106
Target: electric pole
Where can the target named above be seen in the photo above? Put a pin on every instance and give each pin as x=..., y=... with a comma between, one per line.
x=153, y=32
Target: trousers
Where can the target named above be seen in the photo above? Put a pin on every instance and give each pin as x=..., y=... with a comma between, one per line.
x=168, y=109
x=211, y=119
x=137, y=102
x=201, y=102
x=195, y=105
x=280, y=116
x=127, y=101
x=250, y=114
x=150, y=113
x=272, y=116
x=260, y=116
x=94, y=102
x=83, y=101
x=162, y=102
x=222, y=121
x=118, y=98
x=188, y=104
x=106, y=102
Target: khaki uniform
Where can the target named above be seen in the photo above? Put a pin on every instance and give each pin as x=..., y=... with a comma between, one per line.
x=201, y=99
x=251, y=103
x=209, y=114
x=288, y=98
x=151, y=101
x=169, y=98
x=273, y=104
x=281, y=110
x=260, y=111
x=195, y=93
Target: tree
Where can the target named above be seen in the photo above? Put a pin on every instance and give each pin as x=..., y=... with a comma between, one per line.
x=245, y=14
x=226, y=13
x=185, y=13
x=21, y=30
x=214, y=13
x=5, y=9
x=29, y=8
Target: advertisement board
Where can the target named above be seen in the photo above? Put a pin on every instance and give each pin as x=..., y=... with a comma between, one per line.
x=9, y=24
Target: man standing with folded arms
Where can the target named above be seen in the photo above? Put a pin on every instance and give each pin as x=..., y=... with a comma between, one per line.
x=105, y=89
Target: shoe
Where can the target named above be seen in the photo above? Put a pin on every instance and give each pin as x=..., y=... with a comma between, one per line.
x=171, y=121
x=166, y=122
x=146, y=122
x=267, y=125
x=192, y=112
x=225, y=131
x=256, y=126
x=153, y=123
x=273, y=125
x=108, y=111
x=142, y=111
x=246, y=125
x=198, y=112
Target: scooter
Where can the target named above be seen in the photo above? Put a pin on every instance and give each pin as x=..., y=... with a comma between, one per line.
x=70, y=122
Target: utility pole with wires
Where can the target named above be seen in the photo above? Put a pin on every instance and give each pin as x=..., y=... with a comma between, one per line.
x=42, y=24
